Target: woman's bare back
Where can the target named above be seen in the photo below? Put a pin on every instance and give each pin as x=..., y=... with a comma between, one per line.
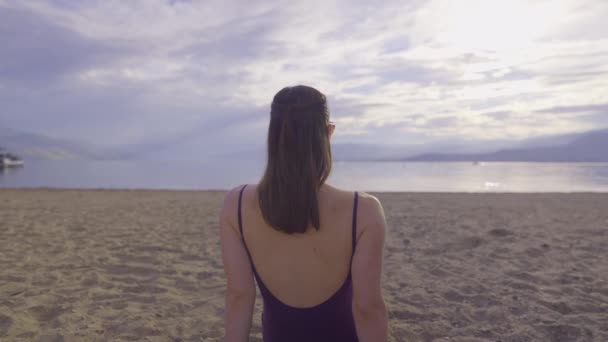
x=302, y=270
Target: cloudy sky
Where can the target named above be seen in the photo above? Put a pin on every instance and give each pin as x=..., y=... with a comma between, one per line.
x=163, y=72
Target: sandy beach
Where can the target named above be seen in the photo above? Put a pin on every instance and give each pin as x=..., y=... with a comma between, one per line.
x=145, y=266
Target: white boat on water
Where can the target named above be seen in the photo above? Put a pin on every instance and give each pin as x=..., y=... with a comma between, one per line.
x=9, y=160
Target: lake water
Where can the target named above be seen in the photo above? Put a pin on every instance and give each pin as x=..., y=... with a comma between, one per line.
x=364, y=176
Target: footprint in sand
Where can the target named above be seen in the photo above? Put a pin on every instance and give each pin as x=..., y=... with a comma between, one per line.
x=561, y=333
x=5, y=324
x=409, y=316
x=50, y=338
x=534, y=252
x=559, y=307
x=482, y=301
x=140, y=299
x=141, y=259
x=46, y=313
x=143, y=289
x=90, y=280
x=523, y=276
x=469, y=243
x=130, y=270
x=186, y=285
x=462, y=244
x=453, y=296
x=522, y=286
x=500, y=232
x=437, y=272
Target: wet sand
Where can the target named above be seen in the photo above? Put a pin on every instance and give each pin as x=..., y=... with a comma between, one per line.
x=145, y=266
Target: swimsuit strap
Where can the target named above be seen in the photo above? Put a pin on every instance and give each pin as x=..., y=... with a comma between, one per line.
x=355, y=205
x=241, y=216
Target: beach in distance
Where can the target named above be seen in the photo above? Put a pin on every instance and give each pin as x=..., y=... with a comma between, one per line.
x=143, y=265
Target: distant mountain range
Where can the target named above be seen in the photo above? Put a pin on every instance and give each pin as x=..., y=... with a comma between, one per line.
x=574, y=147
x=35, y=146
x=586, y=147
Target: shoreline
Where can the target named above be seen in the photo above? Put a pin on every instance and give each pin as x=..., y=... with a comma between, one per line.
x=58, y=189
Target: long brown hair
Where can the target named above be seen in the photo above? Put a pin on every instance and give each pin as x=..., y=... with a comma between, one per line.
x=299, y=159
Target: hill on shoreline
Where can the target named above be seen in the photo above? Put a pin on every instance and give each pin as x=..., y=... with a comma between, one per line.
x=35, y=146
x=588, y=147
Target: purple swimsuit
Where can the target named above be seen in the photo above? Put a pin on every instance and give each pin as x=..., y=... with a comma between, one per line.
x=331, y=320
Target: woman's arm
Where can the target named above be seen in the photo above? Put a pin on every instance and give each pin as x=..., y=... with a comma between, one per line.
x=369, y=309
x=240, y=286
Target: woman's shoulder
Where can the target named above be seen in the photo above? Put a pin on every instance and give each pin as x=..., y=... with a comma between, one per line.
x=367, y=204
x=231, y=201
x=233, y=194
x=370, y=212
x=364, y=198
x=368, y=199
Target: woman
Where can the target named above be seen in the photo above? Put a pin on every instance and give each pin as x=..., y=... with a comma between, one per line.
x=314, y=250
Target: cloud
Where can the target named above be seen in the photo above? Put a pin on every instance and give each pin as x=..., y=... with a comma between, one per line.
x=155, y=72
x=498, y=116
x=576, y=109
x=238, y=41
x=36, y=51
x=598, y=119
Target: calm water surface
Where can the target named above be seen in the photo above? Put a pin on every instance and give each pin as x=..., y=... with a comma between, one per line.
x=365, y=176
